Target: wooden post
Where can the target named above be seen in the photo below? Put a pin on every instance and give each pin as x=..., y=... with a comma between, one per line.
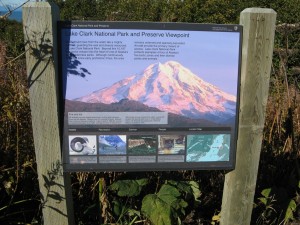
x=258, y=41
x=39, y=24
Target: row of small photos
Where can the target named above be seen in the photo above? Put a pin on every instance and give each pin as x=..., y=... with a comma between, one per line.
x=149, y=148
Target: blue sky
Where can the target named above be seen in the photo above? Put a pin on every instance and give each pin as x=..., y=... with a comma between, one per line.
x=13, y=3
x=213, y=56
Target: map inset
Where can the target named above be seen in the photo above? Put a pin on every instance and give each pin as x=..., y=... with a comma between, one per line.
x=208, y=147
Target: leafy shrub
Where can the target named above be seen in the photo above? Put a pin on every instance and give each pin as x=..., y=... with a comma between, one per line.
x=167, y=206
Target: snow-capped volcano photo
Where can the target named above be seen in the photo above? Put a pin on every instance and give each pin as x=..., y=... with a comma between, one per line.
x=172, y=88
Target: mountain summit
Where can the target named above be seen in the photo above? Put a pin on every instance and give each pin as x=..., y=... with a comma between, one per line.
x=173, y=88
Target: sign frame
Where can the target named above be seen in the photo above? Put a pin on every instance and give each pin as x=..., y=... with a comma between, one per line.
x=127, y=162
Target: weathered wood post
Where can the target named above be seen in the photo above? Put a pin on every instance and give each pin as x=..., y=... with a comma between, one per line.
x=258, y=41
x=39, y=24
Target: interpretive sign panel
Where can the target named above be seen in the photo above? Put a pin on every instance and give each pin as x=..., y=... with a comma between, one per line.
x=149, y=96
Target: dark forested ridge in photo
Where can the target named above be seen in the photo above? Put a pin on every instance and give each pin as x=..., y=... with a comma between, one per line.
x=193, y=197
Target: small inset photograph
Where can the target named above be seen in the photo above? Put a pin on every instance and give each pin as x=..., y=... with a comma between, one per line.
x=208, y=148
x=171, y=144
x=82, y=145
x=142, y=144
x=112, y=144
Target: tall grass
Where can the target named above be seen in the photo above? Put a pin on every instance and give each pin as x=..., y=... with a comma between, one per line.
x=18, y=178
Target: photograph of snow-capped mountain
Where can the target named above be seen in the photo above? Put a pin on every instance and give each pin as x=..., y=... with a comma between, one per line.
x=172, y=88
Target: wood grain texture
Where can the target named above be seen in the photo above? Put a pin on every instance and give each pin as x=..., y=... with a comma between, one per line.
x=257, y=50
x=39, y=24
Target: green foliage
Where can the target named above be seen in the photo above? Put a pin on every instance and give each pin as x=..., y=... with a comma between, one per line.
x=78, y=10
x=277, y=206
x=291, y=208
x=125, y=214
x=11, y=34
x=18, y=178
x=164, y=206
x=128, y=188
x=167, y=206
x=216, y=219
x=189, y=188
